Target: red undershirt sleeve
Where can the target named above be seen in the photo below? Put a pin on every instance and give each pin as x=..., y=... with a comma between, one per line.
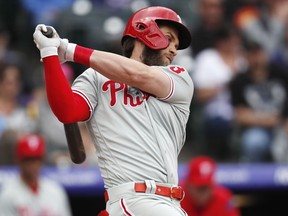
x=67, y=106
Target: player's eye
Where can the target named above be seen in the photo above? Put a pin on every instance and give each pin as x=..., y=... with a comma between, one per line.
x=169, y=38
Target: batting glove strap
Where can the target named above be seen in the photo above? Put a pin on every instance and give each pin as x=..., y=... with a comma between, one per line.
x=48, y=51
x=69, y=55
x=62, y=50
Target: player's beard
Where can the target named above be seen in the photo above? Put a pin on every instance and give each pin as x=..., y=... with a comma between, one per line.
x=152, y=57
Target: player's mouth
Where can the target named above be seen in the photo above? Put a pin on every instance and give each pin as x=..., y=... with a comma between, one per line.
x=170, y=58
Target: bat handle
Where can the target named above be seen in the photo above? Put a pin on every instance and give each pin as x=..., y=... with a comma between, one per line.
x=75, y=143
x=48, y=33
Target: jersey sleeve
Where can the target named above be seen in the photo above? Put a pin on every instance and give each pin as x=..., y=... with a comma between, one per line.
x=86, y=85
x=181, y=88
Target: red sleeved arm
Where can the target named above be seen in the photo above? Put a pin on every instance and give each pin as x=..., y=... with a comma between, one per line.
x=66, y=105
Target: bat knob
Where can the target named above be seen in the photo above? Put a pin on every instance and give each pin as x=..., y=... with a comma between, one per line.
x=48, y=33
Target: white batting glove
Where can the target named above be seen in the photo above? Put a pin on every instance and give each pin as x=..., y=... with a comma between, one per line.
x=66, y=50
x=47, y=46
x=62, y=50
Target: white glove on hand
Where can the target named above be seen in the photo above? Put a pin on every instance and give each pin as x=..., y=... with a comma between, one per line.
x=62, y=50
x=47, y=46
x=66, y=50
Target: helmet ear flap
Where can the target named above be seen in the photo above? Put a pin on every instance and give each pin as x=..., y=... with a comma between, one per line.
x=149, y=33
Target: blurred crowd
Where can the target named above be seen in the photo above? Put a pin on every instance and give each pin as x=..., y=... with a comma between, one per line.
x=240, y=79
x=238, y=62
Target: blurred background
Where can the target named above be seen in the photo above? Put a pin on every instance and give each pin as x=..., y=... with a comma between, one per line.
x=238, y=62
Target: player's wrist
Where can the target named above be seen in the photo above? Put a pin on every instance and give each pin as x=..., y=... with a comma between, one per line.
x=69, y=55
x=82, y=55
x=78, y=54
x=48, y=51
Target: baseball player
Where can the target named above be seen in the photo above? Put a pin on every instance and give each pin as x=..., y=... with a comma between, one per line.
x=136, y=107
x=203, y=196
x=28, y=194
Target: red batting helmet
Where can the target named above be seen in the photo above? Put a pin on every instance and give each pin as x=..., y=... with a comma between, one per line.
x=143, y=26
x=30, y=146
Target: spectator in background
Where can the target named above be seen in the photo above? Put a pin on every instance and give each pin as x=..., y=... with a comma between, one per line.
x=211, y=19
x=260, y=102
x=28, y=193
x=280, y=57
x=14, y=120
x=244, y=8
x=267, y=25
x=14, y=57
x=209, y=14
x=203, y=196
x=214, y=68
x=7, y=55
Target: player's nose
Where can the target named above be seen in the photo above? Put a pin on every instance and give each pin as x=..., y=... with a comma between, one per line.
x=173, y=49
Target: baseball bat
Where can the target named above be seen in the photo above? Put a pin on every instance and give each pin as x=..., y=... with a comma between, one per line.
x=72, y=131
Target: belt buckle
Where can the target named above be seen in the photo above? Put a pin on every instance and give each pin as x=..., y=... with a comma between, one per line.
x=171, y=192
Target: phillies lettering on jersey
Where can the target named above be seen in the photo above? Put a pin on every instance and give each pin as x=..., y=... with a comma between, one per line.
x=132, y=96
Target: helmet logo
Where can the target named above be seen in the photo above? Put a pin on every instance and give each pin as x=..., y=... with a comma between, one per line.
x=205, y=168
x=33, y=143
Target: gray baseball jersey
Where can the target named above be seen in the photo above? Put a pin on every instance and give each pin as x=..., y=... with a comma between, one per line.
x=137, y=136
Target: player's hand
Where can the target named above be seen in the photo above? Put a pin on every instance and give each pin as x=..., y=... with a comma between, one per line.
x=47, y=46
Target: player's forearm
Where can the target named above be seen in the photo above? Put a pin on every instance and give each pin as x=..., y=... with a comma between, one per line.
x=119, y=68
x=131, y=72
x=124, y=70
x=67, y=106
x=113, y=66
